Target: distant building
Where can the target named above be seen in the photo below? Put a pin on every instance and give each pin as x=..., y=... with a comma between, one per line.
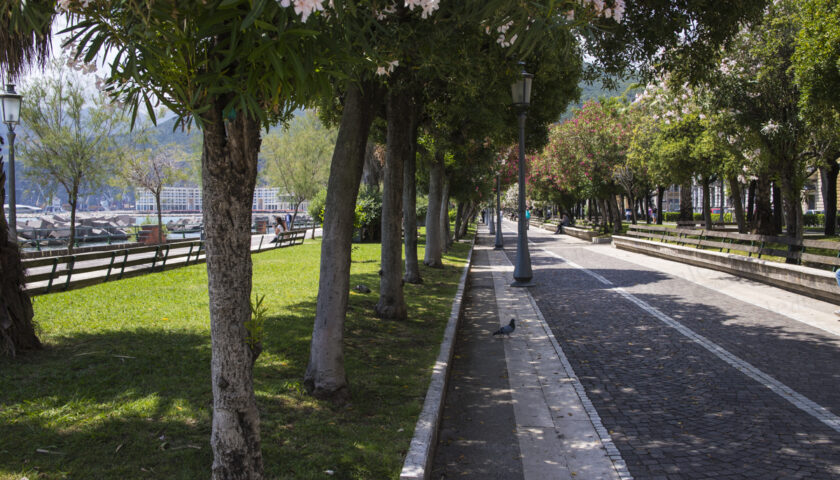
x=189, y=199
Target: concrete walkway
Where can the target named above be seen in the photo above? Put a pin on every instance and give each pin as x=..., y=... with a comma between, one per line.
x=625, y=366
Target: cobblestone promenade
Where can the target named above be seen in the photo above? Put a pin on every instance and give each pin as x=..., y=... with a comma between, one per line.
x=694, y=374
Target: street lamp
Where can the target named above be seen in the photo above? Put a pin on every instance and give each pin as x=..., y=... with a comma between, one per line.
x=491, y=225
x=500, y=243
x=11, y=117
x=521, y=92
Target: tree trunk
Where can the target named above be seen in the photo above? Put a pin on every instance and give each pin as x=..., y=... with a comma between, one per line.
x=828, y=178
x=763, y=216
x=466, y=219
x=459, y=218
x=707, y=202
x=229, y=174
x=633, y=209
x=604, y=214
x=159, y=217
x=778, y=209
x=17, y=330
x=434, y=237
x=793, y=210
x=325, y=376
x=391, y=303
x=73, y=201
x=722, y=202
x=686, y=207
x=660, y=192
x=616, y=230
x=445, y=229
x=412, y=262
x=737, y=203
x=372, y=172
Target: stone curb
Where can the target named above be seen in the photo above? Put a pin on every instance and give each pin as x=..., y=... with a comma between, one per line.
x=418, y=461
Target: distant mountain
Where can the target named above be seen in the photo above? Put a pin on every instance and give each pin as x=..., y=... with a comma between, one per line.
x=596, y=90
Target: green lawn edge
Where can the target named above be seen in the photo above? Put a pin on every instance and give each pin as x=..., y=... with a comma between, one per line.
x=122, y=389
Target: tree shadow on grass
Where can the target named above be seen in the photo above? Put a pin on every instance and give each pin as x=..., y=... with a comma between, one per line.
x=108, y=405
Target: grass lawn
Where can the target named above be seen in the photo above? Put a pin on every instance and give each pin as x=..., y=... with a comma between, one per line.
x=122, y=389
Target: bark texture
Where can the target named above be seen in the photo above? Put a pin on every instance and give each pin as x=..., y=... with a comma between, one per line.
x=325, y=375
x=434, y=237
x=707, y=203
x=391, y=303
x=412, y=262
x=660, y=192
x=763, y=216
x=17, y=330
x=445, y=231
x=737, y=202
x=686, y=209
x=828, y=177
x=229, y=173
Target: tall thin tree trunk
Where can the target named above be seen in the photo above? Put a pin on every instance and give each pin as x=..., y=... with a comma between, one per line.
x=459, y=217
x=17, y=330
x=686, y=206
x=74, y=201
x=763, y=217
x=828, y=178
x=751, y=203
x=229, y=174
x=325, y=375
x=412, y=267
x=159, y=218
x=434, y=235
x=660, y=192
x=737, y=203
x=616, y=227
x=778, y=209
x=707, y=202
x=445, y=229
x=722, y=202
x=391, y=303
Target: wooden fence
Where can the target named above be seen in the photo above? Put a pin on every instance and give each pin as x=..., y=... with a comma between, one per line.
x=65, y=272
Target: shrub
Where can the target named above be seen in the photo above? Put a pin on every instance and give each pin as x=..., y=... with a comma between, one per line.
x=317, y=206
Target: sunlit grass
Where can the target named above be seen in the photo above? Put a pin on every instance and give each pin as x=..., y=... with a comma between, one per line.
x=122, y=389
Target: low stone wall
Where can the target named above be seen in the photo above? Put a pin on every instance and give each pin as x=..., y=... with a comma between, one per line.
x=808, y=281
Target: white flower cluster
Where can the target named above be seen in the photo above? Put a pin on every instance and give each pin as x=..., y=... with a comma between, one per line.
x=770, y=128
x=304, y=8
x=502, y=31
x=64, y=5
x=616, y=11
x=428, y=6
x=388, y=69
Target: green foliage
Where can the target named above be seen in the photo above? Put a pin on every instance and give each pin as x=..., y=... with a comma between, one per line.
x=817, y=57
x=813, y=219
x=298, y=159
x=125, y=368
x=256, y=325
x=317, y=206
x=368, y=217
x=422, y=208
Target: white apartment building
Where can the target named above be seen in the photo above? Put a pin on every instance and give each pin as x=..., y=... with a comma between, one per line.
x=189, y=199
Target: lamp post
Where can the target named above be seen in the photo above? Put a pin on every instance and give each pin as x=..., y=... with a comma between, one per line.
x=11, y=117
x=521, y=92
x=500, y=243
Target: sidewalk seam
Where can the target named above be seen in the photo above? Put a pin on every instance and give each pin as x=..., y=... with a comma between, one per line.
x=418, y=460
x=612, y=451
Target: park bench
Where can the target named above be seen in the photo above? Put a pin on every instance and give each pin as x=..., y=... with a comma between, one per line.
x=805, y=266
x=818, y=253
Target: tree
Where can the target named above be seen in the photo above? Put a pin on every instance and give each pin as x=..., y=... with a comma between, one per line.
x=298, y=159
x=24, y=40
x=70, y=142
x=233, y=67
x=17, y=331
x=151, y=168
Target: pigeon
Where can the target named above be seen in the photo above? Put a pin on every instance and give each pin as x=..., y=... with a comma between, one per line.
x=507, y=329
x=362, y=288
